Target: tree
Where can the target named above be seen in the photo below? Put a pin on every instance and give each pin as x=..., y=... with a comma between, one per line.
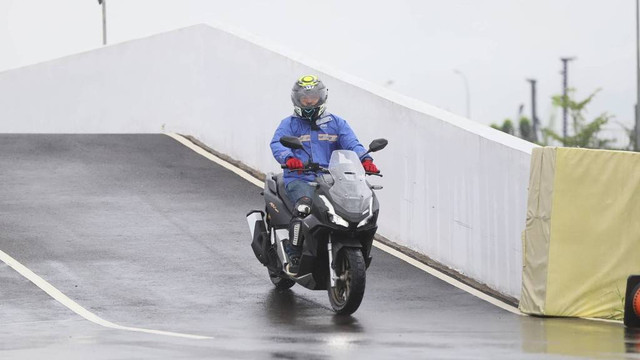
x=585, y=134
x=526, y=130
x=631, y=134
x=507, y=126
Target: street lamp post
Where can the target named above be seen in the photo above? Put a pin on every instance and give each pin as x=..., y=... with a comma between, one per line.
x=104, y=21
x=565, y=99
x=534, y=117
x=466, y=86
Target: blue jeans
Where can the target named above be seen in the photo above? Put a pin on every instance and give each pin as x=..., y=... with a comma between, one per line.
x=298, y=189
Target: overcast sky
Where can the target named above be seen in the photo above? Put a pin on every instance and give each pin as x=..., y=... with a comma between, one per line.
x=412, y=46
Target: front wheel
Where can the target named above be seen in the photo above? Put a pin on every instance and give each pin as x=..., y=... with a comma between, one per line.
x=350, y=268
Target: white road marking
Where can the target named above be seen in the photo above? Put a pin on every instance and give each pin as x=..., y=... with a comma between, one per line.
x=75, y=307
x=245, y=175
x=460, y=285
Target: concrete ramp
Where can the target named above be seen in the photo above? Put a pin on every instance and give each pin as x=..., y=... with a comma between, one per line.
x=145, y=234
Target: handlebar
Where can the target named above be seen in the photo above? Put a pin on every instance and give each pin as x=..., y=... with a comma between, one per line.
x=307, y=169
x=314, y=167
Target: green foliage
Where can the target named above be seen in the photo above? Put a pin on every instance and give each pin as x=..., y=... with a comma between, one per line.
x=585, y=134
x=526, y=129
x=631, y=133
x=507, y=126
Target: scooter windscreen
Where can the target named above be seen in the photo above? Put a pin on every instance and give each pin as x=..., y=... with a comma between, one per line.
x=350, y=190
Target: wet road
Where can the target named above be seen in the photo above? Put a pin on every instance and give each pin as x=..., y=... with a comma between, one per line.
x=143, y=232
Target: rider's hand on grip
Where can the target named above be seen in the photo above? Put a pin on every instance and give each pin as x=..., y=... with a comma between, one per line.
x=369, y=166
x=294, y=163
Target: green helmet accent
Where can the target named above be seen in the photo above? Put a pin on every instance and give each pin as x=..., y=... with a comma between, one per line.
x=309, y=96
x=308, y=80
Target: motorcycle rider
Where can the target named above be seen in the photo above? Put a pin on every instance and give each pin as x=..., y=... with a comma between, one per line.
x=320, y=133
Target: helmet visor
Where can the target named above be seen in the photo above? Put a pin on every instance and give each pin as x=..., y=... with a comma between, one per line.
x=309, y=98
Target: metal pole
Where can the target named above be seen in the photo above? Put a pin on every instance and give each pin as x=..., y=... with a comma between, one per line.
x=104, y=22
x=466, y=86
x=565, y=80
x=534, y=118
x=637, y=144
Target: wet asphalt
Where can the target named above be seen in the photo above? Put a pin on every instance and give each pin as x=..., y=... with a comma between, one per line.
x=143, y=232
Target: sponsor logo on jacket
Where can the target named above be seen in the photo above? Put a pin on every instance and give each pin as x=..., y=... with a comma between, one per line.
x=327, y=137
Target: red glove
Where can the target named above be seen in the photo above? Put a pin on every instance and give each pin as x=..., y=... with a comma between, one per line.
x=294, y=163
x=369, y=166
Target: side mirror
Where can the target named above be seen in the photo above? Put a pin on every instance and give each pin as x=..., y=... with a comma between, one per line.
x=291, y=142
x=377, y=144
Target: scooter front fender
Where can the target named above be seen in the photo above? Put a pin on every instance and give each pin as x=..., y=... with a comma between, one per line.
x=338, y=243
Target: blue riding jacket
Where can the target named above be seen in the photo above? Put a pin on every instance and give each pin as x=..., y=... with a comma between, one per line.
x=333, y=133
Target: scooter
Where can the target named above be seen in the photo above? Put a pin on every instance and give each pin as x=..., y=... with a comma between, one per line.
x=337, y=233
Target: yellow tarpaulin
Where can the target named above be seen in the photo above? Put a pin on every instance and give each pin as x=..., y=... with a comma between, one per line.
x=582, y=236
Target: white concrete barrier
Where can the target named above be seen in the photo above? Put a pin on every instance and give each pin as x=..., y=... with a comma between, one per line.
x=454, y=190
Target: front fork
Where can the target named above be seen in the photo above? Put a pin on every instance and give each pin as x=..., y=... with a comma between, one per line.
x=332, y=270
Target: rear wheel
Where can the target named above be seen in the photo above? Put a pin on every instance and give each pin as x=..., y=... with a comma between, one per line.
x=350, y=268
x=280, y=283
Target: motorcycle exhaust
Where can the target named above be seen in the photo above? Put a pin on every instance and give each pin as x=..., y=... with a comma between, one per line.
x=259, y=236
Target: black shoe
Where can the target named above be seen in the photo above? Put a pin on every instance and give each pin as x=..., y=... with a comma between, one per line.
x=294, y=265
x=293, y=252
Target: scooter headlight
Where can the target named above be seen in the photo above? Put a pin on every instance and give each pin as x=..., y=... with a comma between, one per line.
x=365, y=221
x=338, y=220
x=333, y=217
